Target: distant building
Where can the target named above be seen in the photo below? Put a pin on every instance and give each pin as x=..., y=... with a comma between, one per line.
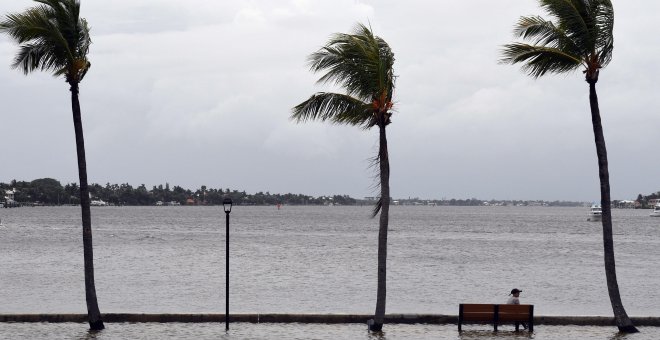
x=9, y=199
x=625, y=204
x=9, y=195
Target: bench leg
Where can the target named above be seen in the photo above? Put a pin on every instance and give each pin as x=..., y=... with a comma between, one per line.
x=460, y=316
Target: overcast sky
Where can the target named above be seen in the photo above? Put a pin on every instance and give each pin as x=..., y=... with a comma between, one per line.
x=199, y=92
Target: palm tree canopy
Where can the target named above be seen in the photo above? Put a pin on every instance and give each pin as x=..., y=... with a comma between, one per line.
x=581, y=35
x=52, y=37
x=362, y=64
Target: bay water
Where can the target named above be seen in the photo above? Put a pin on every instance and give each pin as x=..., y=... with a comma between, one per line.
x=313, y=259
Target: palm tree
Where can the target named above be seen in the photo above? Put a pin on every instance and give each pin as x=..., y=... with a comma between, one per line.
x=362, y=64
x=581, y=37
x=53, y=37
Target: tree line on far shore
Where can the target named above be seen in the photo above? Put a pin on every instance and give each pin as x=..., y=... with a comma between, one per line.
x=644, y=200
x=49, y=191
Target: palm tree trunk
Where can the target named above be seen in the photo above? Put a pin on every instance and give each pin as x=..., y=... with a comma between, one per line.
x=383, y=158
x=620, y=316
x=93, y=313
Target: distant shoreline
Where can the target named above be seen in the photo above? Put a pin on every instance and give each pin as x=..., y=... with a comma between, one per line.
x=48, y=191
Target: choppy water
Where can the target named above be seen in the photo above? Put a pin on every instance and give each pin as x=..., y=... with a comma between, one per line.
x=323, y=260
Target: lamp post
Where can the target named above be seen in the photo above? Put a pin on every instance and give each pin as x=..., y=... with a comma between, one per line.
x=226, y=204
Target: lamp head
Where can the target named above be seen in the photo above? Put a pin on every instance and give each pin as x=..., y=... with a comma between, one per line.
x=226, y=204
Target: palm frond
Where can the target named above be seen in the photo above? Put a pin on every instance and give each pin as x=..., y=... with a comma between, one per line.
x=603, y=14
x=374, y=167
x=61, y=72
x=31, y=57
x=377, y=207
x=543, y=32
x=334, y=107
x=52, y=37
x=581, y=35
x=572, y=17
x=539, y=60
x=343, y=70
x=360, y=62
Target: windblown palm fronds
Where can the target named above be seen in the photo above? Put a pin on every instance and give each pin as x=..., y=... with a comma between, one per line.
x=580, y=36
x=361, y=64
x=52, y=37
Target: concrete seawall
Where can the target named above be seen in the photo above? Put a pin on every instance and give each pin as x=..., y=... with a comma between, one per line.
x=311, y=318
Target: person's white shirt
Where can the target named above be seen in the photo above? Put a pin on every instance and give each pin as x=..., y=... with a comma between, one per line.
x=513, y=300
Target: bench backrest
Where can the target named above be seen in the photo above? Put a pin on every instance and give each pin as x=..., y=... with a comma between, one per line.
x=495, y=313
x=486, y=312
x=477, y=312
x=514, y=312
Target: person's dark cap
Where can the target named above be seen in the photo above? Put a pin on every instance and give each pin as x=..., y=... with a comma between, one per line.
x=515, y=290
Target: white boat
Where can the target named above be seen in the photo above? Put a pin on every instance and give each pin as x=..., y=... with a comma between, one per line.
x=98, y=203
x=595, y=213
x=656, y=210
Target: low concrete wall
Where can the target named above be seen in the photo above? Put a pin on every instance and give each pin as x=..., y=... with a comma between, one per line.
x=593, y=320
x=311, y=318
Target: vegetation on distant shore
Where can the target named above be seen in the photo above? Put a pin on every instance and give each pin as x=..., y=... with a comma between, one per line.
x=48, y=191
x=644, y=200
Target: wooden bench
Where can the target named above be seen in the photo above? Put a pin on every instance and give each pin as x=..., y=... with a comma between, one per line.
x=496, y=314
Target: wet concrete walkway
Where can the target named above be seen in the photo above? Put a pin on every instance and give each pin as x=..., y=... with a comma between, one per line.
x=437, y=319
